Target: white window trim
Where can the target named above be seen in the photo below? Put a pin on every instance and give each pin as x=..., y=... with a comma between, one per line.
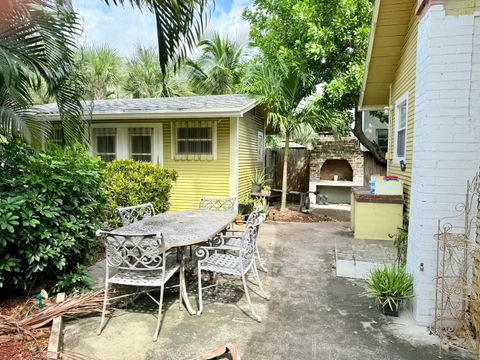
x=123, y=140
x=402, y=99
x=185, y=157
x=261, y=151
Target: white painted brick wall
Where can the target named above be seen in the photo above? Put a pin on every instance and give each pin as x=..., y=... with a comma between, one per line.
x=446, y=144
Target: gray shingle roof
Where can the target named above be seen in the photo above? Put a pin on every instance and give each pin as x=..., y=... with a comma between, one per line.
x=210, y=104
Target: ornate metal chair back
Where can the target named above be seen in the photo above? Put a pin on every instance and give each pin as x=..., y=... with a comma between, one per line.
x=249, y=238
x=135, y=213
x=217, y=204
x=134, y=252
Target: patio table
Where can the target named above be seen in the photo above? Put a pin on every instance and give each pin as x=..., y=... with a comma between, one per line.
x=181, y=229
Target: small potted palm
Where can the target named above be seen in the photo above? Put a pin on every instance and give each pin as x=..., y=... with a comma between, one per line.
x=389, y=285
x=258, y=181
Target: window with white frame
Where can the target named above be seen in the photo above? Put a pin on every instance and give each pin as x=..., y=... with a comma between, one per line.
x=194, y=140
x=260, y=146
x=140, y=141
x=401, y=119
x=105, y=143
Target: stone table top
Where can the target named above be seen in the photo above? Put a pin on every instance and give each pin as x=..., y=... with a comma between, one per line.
x=182, y=228
x=362, y=194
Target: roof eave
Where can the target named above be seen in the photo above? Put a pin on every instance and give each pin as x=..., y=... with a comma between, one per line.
x=169, y=114
x=371, y=38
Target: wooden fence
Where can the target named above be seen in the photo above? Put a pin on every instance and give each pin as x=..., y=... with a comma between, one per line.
x=298, y=168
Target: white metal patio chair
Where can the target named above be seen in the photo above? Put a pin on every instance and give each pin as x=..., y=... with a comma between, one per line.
x=217, y=204
x=233, y=237
x=140, y=261
x=131, y=214
x=237, y=262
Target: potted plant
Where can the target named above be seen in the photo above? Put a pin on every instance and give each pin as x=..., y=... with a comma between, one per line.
x=258, y=181
x=239, y=219
x=266, y=190
x=389, y=285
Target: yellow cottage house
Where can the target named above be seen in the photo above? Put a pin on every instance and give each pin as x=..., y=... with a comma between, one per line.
x=423, y=67
x=215, y=143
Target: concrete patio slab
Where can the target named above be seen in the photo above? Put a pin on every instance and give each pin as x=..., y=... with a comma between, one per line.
x=312, y=314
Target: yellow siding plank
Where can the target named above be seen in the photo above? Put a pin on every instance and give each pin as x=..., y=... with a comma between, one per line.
x=249, y=127
x=199, y=177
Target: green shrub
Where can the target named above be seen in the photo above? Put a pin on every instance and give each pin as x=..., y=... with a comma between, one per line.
x=388, y=285
x=51, y=203
x=130, y=182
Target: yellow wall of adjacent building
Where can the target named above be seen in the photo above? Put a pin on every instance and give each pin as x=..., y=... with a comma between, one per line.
x=199, y=177
x=405, y=82
x=248, y=162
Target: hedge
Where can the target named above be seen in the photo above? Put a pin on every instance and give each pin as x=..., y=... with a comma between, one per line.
x=130, y=182
x=51, y=203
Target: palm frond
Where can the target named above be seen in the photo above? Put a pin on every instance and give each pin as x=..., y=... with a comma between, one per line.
x=179, y=26
x=217, y=69
x=37, y=40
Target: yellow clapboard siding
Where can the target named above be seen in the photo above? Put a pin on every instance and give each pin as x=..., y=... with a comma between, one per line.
x=249, y=126
x=199, y=177
x=403, y=82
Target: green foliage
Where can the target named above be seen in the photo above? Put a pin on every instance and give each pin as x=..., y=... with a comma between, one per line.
x=259, y=178
x=51, y=203
x=400, y=241
x=179, y=25
x=217, y=69
x=74, y=281
x=37, y=39
x=130, y=182
x=101, y=67
x=327, y=40
x=272, y=142
x=146, y=80
x=388, y=284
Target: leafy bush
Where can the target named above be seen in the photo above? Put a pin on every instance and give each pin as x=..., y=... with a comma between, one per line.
x=388, y=285
x=130, y=182
x=51, y=203
x=74, y=281
x=400, y=241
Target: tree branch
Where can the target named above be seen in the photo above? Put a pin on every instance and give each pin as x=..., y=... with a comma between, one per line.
x=373, y=147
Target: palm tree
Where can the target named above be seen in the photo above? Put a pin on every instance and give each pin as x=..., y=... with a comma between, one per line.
x=179, y=25
x=217, y=69
x=36, y=42
x=283, y=89
x=145, y=79
x=101, y=68
x=306, y=135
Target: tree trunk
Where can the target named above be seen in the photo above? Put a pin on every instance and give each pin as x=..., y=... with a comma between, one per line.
x=283, y=206
x=376, y=152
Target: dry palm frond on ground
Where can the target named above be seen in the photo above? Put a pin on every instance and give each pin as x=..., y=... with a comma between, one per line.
x=75, y=305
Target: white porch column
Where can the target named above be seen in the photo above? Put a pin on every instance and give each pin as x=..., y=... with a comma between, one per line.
x=446, y=145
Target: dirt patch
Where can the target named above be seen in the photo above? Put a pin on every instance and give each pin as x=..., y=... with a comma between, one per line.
x=21, y=346
x=291, y=215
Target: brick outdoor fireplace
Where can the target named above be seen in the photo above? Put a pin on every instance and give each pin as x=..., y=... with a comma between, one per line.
x=335, y=166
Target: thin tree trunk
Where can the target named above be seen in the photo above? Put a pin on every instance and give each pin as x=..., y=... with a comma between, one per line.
x=283, y=206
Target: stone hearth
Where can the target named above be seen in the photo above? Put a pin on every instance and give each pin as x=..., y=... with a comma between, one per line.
x=336, y=166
